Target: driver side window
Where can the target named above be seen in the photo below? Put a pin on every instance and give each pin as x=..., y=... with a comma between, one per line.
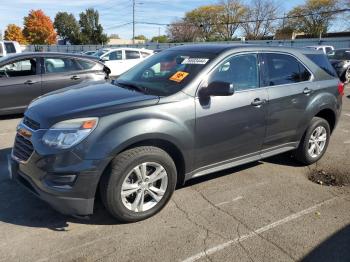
x=24, y=67
x=239, y=70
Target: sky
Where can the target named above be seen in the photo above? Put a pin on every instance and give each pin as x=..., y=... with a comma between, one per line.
x=114, y=13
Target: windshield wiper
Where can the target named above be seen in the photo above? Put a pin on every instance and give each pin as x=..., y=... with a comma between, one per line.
x=131, y=86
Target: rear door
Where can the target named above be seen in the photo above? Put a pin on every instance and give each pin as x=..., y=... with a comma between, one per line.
x=20, y=83
x=289, y=87
x=60, y=72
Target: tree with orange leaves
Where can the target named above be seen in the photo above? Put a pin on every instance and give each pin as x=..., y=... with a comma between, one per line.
x=14, y=33
x=38, y=28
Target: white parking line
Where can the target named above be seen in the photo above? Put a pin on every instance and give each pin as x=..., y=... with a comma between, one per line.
x=345, y=130
x=347, y=114
x=228, y=202
x=287, y=219
x=347, y=142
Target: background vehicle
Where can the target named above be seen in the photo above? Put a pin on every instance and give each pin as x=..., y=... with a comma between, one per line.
x=120, y=60
x=186, y=112
x=9, y=47
x=91, y=52
x=26, y=76
x=340, y=59
x=324, y=48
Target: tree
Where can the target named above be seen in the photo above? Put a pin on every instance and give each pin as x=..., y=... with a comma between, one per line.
x=260, y=17
x=160, y=39
x=314, y=17
x=114, y=36
x=38, y=28
x=91, y=29
x=14, y=33
x=141, y=37
x=182, y=31
x=207, y=20
x=233, y=12
x=67, y=27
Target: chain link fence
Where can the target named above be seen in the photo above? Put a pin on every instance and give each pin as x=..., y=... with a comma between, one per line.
x=341, y=42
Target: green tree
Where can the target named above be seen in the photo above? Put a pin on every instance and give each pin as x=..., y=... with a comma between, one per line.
x=160, y=39
x=67, y=27
x=314, y=17
x=141, y=37
x=91, y=29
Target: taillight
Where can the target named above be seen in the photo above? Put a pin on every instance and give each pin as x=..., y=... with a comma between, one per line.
x=341, y=88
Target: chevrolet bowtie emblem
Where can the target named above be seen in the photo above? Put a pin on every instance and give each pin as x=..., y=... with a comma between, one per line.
x=24, y=132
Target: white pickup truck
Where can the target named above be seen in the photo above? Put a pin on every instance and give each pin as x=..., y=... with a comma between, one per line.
x=9, y=47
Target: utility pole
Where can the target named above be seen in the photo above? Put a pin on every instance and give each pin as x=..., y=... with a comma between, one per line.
x=133, y=21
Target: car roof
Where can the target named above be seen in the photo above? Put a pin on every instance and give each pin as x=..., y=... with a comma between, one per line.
x=221, y=48
x=44, y=54
x=126, y=48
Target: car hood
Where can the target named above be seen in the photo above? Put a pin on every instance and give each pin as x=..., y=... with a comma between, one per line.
x=86, y=100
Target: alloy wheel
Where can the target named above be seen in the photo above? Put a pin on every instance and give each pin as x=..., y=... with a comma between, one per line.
x=144, y=187
x=317, y=142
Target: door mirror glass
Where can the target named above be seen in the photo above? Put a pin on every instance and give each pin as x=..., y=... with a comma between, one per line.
x=217, y=88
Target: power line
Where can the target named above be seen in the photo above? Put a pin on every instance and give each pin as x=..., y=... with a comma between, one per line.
x=252, y=21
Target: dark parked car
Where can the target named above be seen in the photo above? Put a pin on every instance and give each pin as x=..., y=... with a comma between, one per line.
x=26, y=76
x=340, y=59
x=183, y=113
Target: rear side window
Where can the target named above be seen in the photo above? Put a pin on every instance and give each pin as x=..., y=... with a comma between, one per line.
x=60, y=65
x=84, y=64
x=10, y=48
x=283, y=69
x=322, y=61
x=144, y=54
x=132, y=54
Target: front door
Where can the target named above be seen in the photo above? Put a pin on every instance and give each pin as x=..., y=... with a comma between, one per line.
x=20, y=83
x=232, y=127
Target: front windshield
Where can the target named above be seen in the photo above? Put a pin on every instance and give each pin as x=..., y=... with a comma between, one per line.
x=166, y=73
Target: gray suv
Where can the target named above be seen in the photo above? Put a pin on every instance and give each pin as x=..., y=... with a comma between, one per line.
x=183, y=113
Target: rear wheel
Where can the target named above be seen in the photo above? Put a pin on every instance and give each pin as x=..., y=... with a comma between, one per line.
x=314, y=142
x=140, y=183
x=347, y=76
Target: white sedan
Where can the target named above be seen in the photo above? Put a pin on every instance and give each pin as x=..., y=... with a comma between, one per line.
x=119, y=60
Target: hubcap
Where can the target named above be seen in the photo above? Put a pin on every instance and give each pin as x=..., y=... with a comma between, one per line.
x=144, y=187
x=317, y=141
x=347, y=76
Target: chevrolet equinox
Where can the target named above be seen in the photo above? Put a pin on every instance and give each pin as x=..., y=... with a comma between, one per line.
x=183, y=113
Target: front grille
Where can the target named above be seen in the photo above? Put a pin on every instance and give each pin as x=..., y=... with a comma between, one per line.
x=23, y=148
x=31, y=123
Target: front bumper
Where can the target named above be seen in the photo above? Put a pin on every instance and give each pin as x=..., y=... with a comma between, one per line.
x=42, y=176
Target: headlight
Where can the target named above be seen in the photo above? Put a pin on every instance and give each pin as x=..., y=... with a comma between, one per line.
x=68, y=133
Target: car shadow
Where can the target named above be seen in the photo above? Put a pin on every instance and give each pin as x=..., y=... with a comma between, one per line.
x=13, y=116
x=335, y=248
x=20, y=207
x=285, y=159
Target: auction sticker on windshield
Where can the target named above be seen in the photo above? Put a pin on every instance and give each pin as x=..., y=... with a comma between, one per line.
x=179, y=76
x=195, y=61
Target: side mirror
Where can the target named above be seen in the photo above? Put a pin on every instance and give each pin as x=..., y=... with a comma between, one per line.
x=104, y=59
x=217, y=88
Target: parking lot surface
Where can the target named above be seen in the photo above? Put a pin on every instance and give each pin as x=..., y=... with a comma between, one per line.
x=264, y=211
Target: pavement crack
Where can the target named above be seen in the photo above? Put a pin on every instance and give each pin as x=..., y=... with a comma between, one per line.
x=207, y=230
x=241, y=244
x=244, y=224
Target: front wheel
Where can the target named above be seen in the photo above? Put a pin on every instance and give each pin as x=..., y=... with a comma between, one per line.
x=140, y=183
x=314, y=142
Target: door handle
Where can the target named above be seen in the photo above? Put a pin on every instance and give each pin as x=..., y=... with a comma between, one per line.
x=75, y=78
x=29, y=82
x=258, y=102
x=307, y=91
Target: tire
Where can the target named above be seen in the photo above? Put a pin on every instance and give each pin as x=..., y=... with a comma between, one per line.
x=126, y=176
x=303, y=153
